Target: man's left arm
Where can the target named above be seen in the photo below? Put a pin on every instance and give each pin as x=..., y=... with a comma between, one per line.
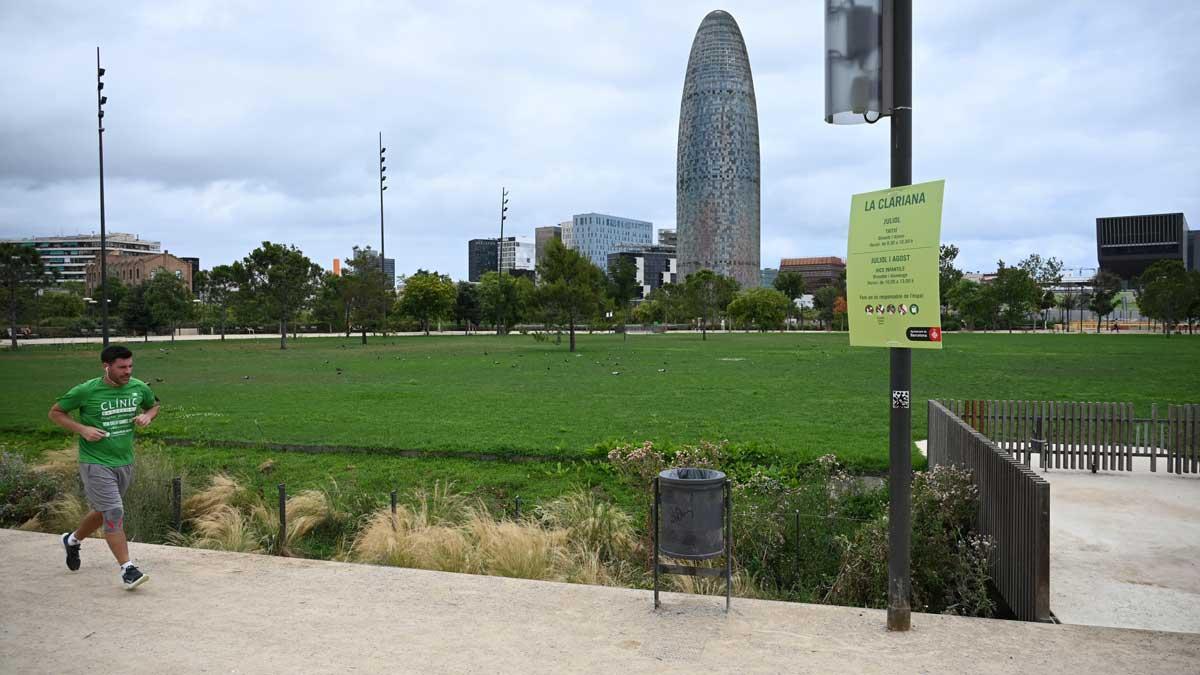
x=148, y=416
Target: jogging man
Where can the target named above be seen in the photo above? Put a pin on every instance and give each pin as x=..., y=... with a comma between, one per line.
x=109, y=408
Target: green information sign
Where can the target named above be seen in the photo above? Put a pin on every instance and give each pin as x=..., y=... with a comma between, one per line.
x=892, y=271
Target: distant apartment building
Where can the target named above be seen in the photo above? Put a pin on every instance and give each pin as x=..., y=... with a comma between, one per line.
x=69, y=256
x=483, y=256
x=134, y=270
x=517, y=253
x=542, y=236
x=389, y=264
x=817, y=272
x=596, y=235
x=767, y=276
x=668, y=237
x=655, y=265
x=1127, y=245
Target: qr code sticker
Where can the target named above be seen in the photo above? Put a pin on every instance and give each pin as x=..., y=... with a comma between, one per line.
x=899, y=399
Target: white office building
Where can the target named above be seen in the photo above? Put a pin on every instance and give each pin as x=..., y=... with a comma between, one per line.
x=596, y=235
x=69, y=255
x=517, y=253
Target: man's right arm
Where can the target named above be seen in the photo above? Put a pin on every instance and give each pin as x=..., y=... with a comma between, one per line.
x=63, y=419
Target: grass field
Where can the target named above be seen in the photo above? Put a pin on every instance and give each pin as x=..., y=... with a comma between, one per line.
x=793, y=396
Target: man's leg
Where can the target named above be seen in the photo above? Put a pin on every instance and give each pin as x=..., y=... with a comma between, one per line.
x=114, y=534
x=88, y=525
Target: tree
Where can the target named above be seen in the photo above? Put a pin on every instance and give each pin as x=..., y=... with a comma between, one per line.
x=428, y=296
x=505, y=301
x=1067, y=302
x=824, y=300
x=1047, y=303
x=57, y=303
x=672, y=302
x=277, y=281
x=168, y=300
x=708, y=295
x=136, y=314
x=623, y=287
x=791, y=284
x=649, y=311
x=366, y=291
x=569, y=286
x=1017, y=293
x=1164, y=293
x=948, y=274
x=975, y=303
x=839, y=310
x=1193, y=311
x=762, y=308
x=216, y=288
x=1105, y=287
x=1046, y=274
x=22, y=276
x=467, y=308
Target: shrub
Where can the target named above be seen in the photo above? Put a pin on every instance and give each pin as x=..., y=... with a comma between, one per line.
x=592, y=525
x=148, y=500
x=949, y=564
x=23, y=491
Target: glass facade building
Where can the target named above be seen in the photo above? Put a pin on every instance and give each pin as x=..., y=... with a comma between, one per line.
x=596, y=235
x=482, y=257
x=717, y=209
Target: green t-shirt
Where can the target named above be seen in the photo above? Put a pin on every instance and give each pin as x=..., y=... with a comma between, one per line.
x=112, y=409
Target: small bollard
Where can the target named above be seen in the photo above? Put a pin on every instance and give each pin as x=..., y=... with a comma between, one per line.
x=797, y=544
x=282, y=518
x=177, y=503
x=393, y=502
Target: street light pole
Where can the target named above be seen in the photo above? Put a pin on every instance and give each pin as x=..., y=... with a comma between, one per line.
x=382, y=259
x=899, y=613
x=100, y=101
x=500, y=253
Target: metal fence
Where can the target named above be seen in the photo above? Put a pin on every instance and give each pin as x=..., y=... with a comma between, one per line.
x=1087, y=436
x=1014, y=509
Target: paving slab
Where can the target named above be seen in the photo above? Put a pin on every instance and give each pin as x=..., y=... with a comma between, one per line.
x=208, y=611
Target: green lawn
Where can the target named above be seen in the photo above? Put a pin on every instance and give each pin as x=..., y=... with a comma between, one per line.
x=795, y=396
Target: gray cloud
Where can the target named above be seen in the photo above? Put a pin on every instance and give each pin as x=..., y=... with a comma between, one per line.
x=230, y=123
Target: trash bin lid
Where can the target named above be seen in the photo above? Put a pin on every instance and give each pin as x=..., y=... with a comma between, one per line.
x=692, y=476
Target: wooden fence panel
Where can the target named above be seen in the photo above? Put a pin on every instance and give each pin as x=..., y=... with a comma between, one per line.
x=1014, y=509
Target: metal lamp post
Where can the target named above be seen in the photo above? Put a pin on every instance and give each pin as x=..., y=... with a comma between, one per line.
x=868, y=75
x=100, y=101
x=382, y=259
x=500, y=253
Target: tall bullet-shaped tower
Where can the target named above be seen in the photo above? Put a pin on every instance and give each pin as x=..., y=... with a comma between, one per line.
x=717, y=181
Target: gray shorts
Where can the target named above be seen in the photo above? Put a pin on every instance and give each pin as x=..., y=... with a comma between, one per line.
x=105, y=485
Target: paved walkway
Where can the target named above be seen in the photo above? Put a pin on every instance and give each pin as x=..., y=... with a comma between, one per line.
x=205, y=611
x=1124, y=547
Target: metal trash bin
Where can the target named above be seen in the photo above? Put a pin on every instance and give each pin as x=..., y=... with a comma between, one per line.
x=691, y=513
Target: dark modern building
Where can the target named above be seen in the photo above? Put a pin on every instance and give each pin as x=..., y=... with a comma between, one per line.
x=482, y=257
x=1127, y=245
x=656, y=266
x=195, y=263
x=717, y=210
x=817, y=272
x=542, y=236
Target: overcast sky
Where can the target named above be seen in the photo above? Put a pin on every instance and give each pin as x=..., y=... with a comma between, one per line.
x=230, y=123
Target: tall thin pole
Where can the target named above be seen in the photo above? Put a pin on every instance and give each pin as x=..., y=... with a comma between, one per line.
x=382, y=259
x=103, y=238
x=900, y=441
x=500, y=255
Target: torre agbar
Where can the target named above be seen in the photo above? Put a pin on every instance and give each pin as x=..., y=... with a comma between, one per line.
x=717, y=190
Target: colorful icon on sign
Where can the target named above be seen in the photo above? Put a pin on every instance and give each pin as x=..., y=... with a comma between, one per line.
x=913, y=309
